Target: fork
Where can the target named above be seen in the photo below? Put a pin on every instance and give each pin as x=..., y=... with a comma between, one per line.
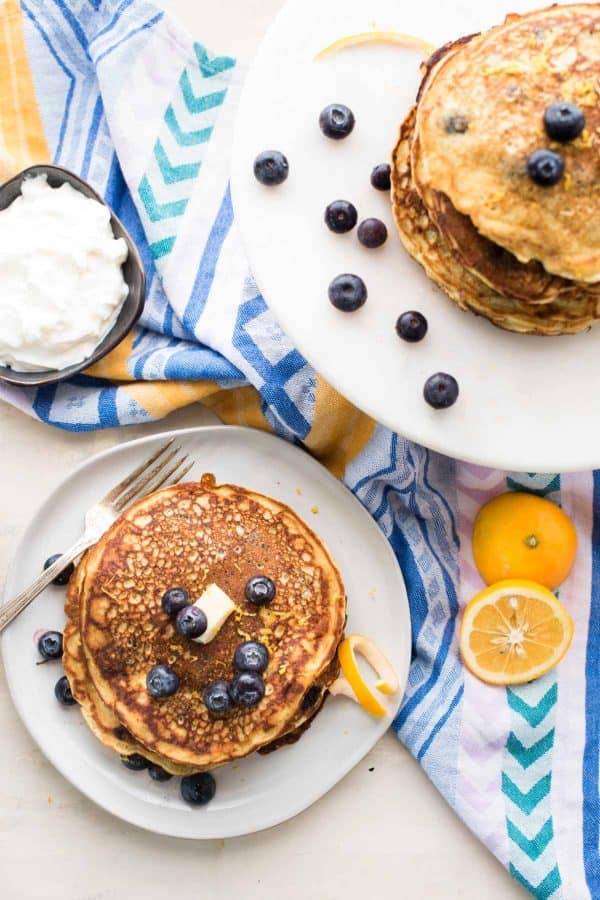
x=163, y=468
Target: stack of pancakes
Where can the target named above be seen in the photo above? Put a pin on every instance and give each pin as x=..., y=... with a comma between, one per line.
x=524, y=256
x=190, y=536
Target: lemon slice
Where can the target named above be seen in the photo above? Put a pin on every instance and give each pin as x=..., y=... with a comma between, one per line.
x=514, y=631
x=378, y=37
x=352, y=683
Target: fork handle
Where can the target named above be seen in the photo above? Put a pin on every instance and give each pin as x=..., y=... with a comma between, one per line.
x=10, y=610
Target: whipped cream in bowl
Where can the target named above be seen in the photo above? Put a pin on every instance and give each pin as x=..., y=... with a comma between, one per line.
x=72, y=283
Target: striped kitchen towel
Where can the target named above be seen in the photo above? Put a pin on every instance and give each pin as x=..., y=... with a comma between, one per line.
x=117, y=91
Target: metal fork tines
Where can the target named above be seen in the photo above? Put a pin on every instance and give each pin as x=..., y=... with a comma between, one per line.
x=148, y=477
x=165, y=467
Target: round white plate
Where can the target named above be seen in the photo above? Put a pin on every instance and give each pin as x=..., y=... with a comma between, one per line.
x=526, y=403
x=258, y=791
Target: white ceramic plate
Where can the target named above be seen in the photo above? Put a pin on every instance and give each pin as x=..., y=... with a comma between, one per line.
x=258, y=791
x=526, y=403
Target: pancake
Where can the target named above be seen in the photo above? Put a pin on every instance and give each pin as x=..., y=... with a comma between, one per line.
x=567, y=314
x=312, y=704
x=191, y=535
x=494, y=265
x=491, y=263
x=110, y=731
x=101, y=720
x=480, y=115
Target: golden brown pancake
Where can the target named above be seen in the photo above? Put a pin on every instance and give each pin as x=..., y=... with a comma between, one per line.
x=101, y=720
x=494, y=265
x=104, y=724
x=491, y=263
x=480, y=116
x=423, y=240
x=192, y=535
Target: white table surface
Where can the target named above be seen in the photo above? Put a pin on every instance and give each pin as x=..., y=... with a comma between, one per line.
x=380, y=834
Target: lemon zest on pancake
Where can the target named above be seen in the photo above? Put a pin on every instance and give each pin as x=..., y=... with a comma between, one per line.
x=378, y=37
x=495, y=197
x=510, y=68
x=585, y=139
x=352, y=684
x=586, y=93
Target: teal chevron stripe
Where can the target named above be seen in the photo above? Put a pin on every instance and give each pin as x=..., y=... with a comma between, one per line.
x=526, y=802
x=170, y=173
x=532, y=485
x=158, y=211
x=533, y=847
x=526, y=756
x=544, y=889
x=199, y=104
x=214, y=66
x=185, y=138
x=175, y=170
x=161, y=248
x=533, y=714
x=528, y=812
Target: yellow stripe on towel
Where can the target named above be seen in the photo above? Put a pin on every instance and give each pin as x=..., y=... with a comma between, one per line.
x=114, y=366
x=239, y=406
x=22, y=138
x=159, y=398
x=340, y=431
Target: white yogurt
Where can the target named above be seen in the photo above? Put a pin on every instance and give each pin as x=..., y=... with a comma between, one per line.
x=61, y=282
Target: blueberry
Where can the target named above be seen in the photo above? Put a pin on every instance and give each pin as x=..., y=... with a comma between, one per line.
x=174, y=600
x=251, y=656
x=217, y=698
x=271, y=167
x=310, y=698
x=381, y=177
x=62, y=692
x=136, y=762
x=563, y=121
x=161, y=681
x=63, y=577
x=456, y=124
x=340, y=216
x=441, y=390
x=247, y=689
x=198, y=789
x=191, y=622
x=157, y=773
x=260, y=590
x=347, y=292
x=50, y=645
x=411, y=326
x=372, y=233
x=121, y=733
x=545, y=167
x=336, y=121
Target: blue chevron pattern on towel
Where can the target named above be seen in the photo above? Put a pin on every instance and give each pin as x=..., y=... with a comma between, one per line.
x=189, y=120
x=185, y=138
x=543, y=890
x=527, y=768
x=173, y=173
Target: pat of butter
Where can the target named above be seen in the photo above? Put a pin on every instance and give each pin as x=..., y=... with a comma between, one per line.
x=217, y=607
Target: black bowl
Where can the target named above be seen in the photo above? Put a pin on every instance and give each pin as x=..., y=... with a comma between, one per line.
x=133, y=273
